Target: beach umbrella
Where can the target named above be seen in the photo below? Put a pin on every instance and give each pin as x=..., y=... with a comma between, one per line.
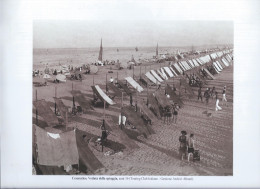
x=93, y=69
x=46, y=76
x=61, y=77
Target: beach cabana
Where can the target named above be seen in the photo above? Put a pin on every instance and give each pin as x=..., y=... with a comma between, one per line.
x=134, y=84
x=55, y=149
x=151, y=78
x=156, y=76
x=101, y=95
x=168, y=71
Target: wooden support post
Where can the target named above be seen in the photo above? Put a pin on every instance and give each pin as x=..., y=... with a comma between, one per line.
x=140, y=72
x=55, y=91
x=55, y=107
x=93, y=81
x=133, y=71
x=121, y=110
x=72, y=86
x=106, y=83
x=36, y=117
x=117, y=76
x=180, y=88
x=36, y=95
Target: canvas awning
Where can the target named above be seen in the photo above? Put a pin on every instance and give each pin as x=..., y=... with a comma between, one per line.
x=175, y=74
x=178, y=68
x=56, y=149
x=164, y=74
x=156, y=76
x=225, y=62
x=46, y=113
x=150, y=76
x=169, y=72
x=134, y=84
x=102, y=96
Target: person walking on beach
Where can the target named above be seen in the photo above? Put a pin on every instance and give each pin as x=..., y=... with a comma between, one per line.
x=217, y=101
x=212, y=92
x=207, y=95
x=200, y=94
x=190, y=146
x=175, y=110
x=224, y=100
x=183, y=144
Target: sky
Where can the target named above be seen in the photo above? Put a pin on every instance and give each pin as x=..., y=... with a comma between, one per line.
x=130, y=33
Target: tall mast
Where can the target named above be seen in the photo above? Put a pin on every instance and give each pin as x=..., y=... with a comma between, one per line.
x=100, y=52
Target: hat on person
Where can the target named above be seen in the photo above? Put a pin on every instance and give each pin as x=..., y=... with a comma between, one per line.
x=184, y=132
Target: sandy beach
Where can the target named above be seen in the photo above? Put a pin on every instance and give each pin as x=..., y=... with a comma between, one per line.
x=158, y=153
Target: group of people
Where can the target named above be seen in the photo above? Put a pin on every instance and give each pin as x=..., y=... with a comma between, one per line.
x=170, y=113
x=211, y=93
x=194, y=80
x=186, y=145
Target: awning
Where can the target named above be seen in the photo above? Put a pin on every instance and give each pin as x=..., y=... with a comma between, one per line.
x=164, y=74
x=56, y=149
x=169, y=72
x=175, y=74
x=149, y=75
x=178, y=68
x=102, y=95
x=134, y=84
x=156, y=76
x=219, y=65
x=225, y=62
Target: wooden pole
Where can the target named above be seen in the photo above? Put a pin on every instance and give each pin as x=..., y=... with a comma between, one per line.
x=147, y=103
x=121, y=111
x=36, y=95
x=145, y=69
x=93, y=81
x=140, y=72
x=36, y=117
x=117, y=76
x=180, y=88
x=106, y=83
x=133, y=71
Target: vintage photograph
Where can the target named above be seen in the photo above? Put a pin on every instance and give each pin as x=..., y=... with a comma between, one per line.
x=132, y=97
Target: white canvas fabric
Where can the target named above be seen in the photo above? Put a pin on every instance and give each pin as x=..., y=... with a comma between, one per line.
x=168, y=71
x=104, y=96
x=134, y=84
x=156, y=76
x=151, y=77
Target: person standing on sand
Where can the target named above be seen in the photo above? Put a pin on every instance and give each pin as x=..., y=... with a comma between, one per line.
x=224, y=100
x=207, y=95
x=183, y=144
x=190, y=146
x=200, y=94
x=175, y=112
x=217, y=101
x=212, y=92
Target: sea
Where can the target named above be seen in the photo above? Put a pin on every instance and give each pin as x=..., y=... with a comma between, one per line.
x=54, y=57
